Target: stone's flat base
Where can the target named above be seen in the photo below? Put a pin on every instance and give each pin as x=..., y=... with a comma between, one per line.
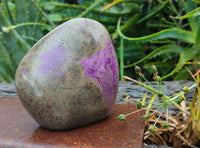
x=19, y=130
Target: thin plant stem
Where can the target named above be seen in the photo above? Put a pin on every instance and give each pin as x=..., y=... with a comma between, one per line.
x=181, y=93
x=157, y=119
x=156, y=110
x=153, y=13
x=158, y=83
x=24, y=24
x=141, y=110
x=90, y=8
x=121, y=59
x=146, y=80
x=29, y=38
x=44, y=14
x=167, y=113
x=149, y=88
x=198, y=101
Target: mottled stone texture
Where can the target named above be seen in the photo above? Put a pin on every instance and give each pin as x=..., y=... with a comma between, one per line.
x=70, y=77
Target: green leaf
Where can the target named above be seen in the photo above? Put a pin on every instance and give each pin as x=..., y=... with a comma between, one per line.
x=189, y=6
x=54, y=17
x=11, y=6
x=115, y=2
x=21, y=11
x=6, y=69
x=13, y=41
x=153, y=12
x=48, y=6
x=33, y=16
x=129, y=24
x=193, y=13
x=171, y=48
x=6, y=74
x=196, y=1
x=4, y=55
x=183, y=74
x=173, y=33
x=91, y=7
x=187, y=55
x=197, y=39
x=124, y=11
x=43, y=13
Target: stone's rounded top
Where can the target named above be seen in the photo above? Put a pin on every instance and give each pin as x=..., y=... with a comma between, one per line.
x=81, y=21
x=81, y=37
x=84, y=23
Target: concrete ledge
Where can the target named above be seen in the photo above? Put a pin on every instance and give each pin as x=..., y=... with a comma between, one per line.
x=19, y=130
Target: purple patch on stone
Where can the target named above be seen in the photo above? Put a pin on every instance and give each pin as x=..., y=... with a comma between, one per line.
x=24, y=70
x=102, y=67
x=53, y=61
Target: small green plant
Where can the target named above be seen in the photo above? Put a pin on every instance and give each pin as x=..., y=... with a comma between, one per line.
x=180, y=41
x=157, y=114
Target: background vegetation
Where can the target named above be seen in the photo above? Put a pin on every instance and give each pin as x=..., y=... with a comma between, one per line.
x=165, y=33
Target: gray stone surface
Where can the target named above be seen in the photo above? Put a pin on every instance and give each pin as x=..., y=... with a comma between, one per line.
x=130, y=88
x=7, y=90
x=136, y=91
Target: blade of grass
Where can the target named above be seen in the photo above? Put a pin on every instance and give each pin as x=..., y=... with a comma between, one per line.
x=9, y=13
x=191, y=109
x=197, y=39
x=156, y=10
x=15, y=43
x=91, y=7
x=4, y=54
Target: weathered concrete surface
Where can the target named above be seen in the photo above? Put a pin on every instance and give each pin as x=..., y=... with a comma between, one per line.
x=135, y=91
x=130, y=88
x=8, y=90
